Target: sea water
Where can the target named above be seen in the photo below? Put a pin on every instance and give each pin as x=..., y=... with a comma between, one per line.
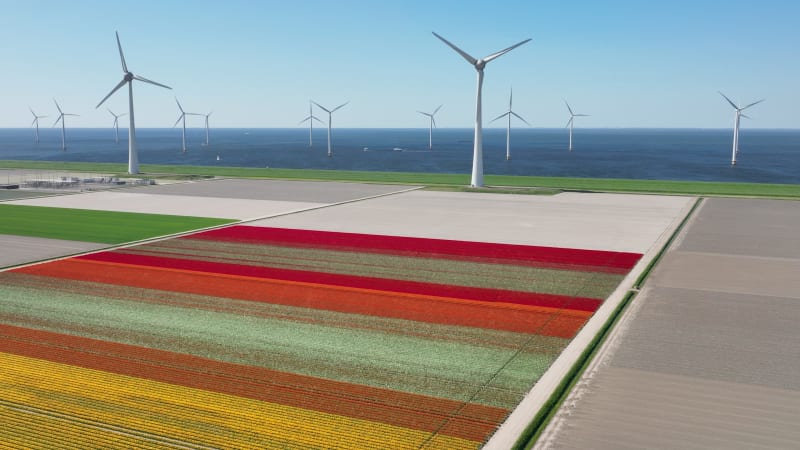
x=765, y=156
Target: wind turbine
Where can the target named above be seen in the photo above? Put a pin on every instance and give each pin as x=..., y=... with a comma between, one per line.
x=182, y=117
x=330, y=117
x=735, y=151
x=479, y=64
x=310, y=119
x=433, y=124
x=571, y=122
x=36, y=124
x=207, y=116
x=61, y=119
x=116, y=124
x=128, y=77
x=509, y=113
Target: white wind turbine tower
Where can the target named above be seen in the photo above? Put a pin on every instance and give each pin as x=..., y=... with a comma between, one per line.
x=330, y=117
x=571, y=122
x=182, y=117
x=61, y=119
x=735, y=151
x=432, y=124
x=128, y=77
x=36, y=124
x=479, y=64
x=116, y=125
x=207, y=116
x=310, y=119
x=509, y=113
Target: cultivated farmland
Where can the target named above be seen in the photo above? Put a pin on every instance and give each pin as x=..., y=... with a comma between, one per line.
x=272, y=338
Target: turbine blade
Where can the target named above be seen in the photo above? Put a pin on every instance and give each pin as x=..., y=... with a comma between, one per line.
x=57, y=120
x=58, y=107
x=729, y=100
x=116, y=88
x=35, y=119
x=510, y=98
x=178, y=121
x=569, y=109
x=137, y=77
x=321, y=107
x=464, y=54
x=304, y=120
x=500, y=116
x=520, y=117
x=747, y=117
x=504, y=51
x=121, y=56
x=179, y=106
x=34, y=114
x=425, y=114
x=582, y=115
x=753, y=104
x=334, y=109
x=433, y=121
x=436, y=110
x=568, y=122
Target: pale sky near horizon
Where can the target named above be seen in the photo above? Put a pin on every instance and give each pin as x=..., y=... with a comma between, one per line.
x=257, y=63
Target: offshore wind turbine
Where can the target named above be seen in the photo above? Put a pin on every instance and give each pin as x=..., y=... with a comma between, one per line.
x=128, y=77
x=207, y=116
x=509, y=113
x=738, y=116
x=479, y=64
x=433, y=124
x=571, y=122
x=330, y=117
x=116, y=125
x=182, y=117
x=36, y=124
x=61, y=119
x=310, y=119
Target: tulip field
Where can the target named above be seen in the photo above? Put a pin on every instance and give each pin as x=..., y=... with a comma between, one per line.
x=257, y=337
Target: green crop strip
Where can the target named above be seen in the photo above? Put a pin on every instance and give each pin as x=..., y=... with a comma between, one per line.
x=500, y=183
x=107, y=227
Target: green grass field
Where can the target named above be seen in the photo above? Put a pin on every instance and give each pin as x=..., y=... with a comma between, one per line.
x=105, y=227
x=436, y=179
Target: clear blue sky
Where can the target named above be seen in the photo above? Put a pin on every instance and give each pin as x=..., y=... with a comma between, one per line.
x=257, y=63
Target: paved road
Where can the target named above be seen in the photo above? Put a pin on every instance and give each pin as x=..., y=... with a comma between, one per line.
x=709, y=354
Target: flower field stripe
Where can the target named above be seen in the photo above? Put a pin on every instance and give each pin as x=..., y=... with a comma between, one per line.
x=425, y=246
x=441, y=310
x=454, y=272
x=25, y=427
x=429, y=367
x=423, y=330
x=362, y=282
x=468, y=421
x=196, y=415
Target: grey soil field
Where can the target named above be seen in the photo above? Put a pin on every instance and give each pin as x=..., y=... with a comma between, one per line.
x=708, y=354
x=227, y=198
x=275, y=190
x=617, y=222
x=22, y=249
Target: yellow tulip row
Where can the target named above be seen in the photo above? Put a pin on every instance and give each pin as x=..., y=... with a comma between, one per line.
x=22, y=428
x=195, y=415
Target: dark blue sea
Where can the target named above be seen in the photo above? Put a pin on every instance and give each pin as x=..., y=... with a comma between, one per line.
x=765, y=156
